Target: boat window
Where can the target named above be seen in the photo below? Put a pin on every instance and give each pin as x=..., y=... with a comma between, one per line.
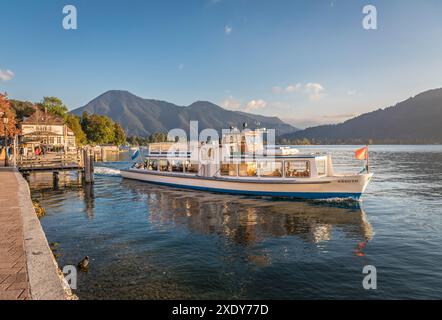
x=243, y=145
x=271, y=169
x=228, y=169
x=177, y=166
x=165, y=165
x=248, y=169
x=152, y=165
x=297, y=169
x=321, y=165
x=207, y=156
x=191, y=167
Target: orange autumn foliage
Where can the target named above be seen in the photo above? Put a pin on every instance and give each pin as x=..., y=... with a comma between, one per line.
x=6, y=109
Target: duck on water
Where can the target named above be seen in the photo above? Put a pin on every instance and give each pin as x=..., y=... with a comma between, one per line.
x=241, y=163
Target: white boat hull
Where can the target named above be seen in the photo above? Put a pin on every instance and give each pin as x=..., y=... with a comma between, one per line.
x=345, y=186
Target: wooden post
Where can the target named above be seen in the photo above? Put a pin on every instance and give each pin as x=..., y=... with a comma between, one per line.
x=86, y=165
x=103, y=154
x=88, y=161
x=91, y=168
x=55, y=179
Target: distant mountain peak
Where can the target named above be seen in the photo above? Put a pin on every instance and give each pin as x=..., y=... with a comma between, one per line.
x=143, y=117
x=117, y=92
x=415, y=120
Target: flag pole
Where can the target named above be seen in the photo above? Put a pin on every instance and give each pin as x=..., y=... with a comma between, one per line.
x=140, y=155
x=368, y=156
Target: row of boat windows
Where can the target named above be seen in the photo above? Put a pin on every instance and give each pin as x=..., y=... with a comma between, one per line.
x=171, y=166
x=271, y=169
x=274, y=169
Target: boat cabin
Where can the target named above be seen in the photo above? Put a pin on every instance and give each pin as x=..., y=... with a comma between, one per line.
x=241, y=155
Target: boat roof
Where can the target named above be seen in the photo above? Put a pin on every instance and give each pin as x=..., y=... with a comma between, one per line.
x=250, y=157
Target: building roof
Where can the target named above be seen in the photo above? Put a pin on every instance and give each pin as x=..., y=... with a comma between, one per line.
x=40, y=117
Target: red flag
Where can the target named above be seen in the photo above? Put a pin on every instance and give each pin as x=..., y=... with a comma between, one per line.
x=362, y=154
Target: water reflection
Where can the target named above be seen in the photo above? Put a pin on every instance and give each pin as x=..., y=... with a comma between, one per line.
x=248, y=221
x=150, y=242
x=44, y=181
x=244, y=221
x=89, y=200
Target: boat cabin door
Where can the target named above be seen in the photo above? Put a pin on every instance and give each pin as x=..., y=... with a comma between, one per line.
x=209, y=163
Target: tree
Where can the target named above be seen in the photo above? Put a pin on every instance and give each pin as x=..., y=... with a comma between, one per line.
x=98, y=129
x=158, y=137
x=23, y=109
x=55, y=106
x=6, y=110
x=132, y=140
x=74, y=123
x=120, y=136
x=102, y=130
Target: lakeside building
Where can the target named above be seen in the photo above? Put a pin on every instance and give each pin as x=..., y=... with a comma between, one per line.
x=45, y=130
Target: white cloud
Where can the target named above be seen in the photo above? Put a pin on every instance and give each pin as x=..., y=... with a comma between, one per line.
x=6, y=75
x=228, y=29
x=255, y=105
x=294, y=88
x=231, y=103
x=352, y=92
x=315, y=91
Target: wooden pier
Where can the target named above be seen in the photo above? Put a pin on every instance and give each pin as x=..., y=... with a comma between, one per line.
x=82, y=162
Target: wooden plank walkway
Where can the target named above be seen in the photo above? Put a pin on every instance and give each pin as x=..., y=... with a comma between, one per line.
x=14, y=283
x=51, y=162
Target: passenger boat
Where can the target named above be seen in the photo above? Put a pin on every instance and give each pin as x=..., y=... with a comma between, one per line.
x=241, y=163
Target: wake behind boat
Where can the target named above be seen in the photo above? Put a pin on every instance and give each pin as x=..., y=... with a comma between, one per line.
x=242, y=164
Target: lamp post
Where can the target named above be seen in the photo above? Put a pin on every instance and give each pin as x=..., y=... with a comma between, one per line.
x=5, y=123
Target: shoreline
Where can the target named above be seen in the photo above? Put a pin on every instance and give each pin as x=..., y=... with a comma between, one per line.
x=44, y=280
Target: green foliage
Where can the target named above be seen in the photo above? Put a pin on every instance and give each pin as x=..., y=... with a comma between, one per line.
x=102, y=130
x=137, y=141
x=88, y=129
x=74, y=123
x=158, y=137
x=55, y=106
x=22, y=109
x=98, y=129
x=142, y=141
x=120, y=136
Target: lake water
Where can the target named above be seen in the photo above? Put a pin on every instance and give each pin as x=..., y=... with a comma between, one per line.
x=151, y=242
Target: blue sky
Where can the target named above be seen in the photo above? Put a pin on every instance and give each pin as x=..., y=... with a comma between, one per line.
x=307, y=62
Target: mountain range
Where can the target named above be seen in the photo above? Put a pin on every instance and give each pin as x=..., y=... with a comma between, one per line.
x=417, y=120
x=143, y=117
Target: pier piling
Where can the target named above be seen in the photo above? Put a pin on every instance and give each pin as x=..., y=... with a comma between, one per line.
x=55, y=179
x=88, y=166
